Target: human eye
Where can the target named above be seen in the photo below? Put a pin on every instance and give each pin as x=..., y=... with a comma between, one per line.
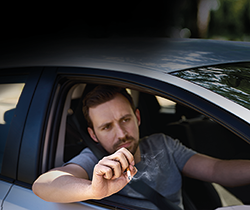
x=127, y=119
x=106, y=127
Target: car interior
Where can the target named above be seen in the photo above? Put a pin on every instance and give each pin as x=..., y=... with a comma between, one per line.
x=193, y=129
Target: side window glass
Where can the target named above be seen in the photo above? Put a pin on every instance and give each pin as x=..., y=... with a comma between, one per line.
x=9, y=95
x=167, y=106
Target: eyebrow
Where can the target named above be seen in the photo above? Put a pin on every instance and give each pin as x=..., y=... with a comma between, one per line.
x=109, y=123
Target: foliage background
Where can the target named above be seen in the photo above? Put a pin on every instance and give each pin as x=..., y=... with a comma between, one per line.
x=215, y=19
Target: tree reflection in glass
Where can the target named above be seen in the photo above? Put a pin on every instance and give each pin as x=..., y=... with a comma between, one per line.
x=231, y=81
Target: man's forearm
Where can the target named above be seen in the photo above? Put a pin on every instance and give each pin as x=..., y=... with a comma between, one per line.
x=62, y=187
x=71, y=183
x=232, y=173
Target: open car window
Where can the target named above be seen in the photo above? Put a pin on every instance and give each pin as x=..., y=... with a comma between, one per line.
x=160, y=115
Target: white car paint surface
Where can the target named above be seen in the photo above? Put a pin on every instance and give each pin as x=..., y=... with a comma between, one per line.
x=20, y=198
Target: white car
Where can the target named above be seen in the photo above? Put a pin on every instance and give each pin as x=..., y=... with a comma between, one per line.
x=193, y=90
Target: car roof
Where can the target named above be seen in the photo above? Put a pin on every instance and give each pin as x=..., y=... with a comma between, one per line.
x=154, y=54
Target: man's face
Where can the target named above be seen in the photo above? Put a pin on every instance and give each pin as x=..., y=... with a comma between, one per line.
x=115, y=125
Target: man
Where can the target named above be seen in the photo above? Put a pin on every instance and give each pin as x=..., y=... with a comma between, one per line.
x=159, y=160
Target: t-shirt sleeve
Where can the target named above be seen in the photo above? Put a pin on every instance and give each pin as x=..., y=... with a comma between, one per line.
x=180, y=152
x=86, y=159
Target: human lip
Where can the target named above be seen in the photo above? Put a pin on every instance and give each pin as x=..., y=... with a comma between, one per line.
x=126, y=145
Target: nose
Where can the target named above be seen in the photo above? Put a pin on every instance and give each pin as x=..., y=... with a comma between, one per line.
x=120, y=132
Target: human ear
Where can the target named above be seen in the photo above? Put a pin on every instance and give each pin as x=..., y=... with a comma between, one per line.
x=92, y=134
x=138, y=116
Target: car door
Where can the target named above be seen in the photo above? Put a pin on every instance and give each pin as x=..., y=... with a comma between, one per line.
x=16, y=90
x=44, y=139
x=44, y=134
x=182, y=92
x=18, y=193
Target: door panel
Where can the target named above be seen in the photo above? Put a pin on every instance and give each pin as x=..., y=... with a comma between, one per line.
x=21, y=198
x=4, y=186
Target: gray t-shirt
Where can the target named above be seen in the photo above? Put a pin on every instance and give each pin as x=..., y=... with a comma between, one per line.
x=162, y=160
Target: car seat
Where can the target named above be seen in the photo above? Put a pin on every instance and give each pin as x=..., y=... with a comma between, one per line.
x=74, y=143
x=149, y=111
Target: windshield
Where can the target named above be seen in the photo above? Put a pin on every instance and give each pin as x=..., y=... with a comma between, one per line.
x=231, y=81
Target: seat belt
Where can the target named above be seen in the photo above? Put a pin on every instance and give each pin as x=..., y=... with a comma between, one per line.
x=140, y=186
x=152, y=195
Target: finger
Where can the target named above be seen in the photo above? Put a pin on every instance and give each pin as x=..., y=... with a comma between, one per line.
x=104, y=171
x=121, y=158
x=124, y=157
x=128, y=155
x=114, y=165
x=134, y=170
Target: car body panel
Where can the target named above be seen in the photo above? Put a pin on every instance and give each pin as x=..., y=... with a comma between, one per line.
x=5, y=187
x=21, y=198
x=154, y=58
x=161, y=55
x=144, y=64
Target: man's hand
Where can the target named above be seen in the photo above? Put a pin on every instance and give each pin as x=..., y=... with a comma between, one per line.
x=109, y=174
x=70, y=183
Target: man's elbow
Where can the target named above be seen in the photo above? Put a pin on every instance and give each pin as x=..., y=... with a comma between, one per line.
x=36, y=188
x=39, y=189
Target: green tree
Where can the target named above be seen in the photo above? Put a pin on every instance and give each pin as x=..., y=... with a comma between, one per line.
x=231, y=21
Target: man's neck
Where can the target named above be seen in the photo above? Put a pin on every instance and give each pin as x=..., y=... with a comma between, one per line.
x=137, y=155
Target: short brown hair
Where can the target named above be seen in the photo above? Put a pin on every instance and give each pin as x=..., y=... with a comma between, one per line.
x=101, y=94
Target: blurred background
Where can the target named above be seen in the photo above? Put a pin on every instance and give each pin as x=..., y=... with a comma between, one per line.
x=207, y=19
x=214, y=19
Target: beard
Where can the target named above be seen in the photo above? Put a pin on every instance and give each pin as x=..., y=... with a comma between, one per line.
x=127, y=139
x=134, y=144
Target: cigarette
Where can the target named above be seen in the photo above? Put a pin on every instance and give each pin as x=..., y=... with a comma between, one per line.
x=129, y=174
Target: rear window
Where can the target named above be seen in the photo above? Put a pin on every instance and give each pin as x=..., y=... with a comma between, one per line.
x=231, y=81
x=167, y=106
x=10, y=91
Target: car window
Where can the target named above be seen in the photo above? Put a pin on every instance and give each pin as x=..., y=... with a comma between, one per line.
x=159, y=115
x=10, y=91
x=167, y=106
x=231, y=81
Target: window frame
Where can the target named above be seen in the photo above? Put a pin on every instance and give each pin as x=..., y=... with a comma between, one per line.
x=62, y=79
x=30, y=154
x=70, y=76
